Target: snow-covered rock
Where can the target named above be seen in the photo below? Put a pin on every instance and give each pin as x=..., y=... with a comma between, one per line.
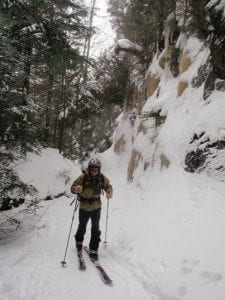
x=49, y=172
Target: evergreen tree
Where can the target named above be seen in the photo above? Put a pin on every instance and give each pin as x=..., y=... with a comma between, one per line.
x=17, y=117
x=39, y=46
x=112, y=76
x=141, y=22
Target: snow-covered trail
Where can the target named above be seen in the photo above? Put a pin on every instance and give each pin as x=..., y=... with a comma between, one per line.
x=31, y=269
x=165, y=242
x=170, y=232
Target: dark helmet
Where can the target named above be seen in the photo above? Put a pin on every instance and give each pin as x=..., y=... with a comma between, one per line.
x=94, y=162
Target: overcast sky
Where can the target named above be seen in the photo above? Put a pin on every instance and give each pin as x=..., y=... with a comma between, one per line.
x=104, y=38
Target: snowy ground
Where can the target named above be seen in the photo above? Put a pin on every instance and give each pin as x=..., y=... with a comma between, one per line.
x=166, y=236
x=164, y=243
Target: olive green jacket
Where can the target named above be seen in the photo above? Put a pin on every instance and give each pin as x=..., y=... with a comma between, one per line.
x=90, y=196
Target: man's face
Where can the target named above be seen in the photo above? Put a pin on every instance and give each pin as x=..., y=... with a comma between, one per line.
x=94, y=171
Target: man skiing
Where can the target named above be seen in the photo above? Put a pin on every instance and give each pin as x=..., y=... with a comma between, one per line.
x=89, y=186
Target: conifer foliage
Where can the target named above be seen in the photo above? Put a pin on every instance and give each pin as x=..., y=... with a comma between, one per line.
x=141, y=22
x=39, y=59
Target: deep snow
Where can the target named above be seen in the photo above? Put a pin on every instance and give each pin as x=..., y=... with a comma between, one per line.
x=166, y=229
x=165, y=242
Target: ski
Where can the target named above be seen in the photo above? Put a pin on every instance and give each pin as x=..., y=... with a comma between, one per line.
x=81, y=262
x=104, y=276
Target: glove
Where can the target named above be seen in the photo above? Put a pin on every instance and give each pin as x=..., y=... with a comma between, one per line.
x=78, y=189
x=109, y=194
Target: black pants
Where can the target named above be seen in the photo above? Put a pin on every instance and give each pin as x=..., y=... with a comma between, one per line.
x=84, y=216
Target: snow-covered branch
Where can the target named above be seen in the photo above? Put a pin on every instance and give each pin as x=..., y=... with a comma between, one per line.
x=126, y=45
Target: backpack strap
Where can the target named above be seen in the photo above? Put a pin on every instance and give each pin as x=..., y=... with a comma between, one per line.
x=102, y=183
x=87, y=179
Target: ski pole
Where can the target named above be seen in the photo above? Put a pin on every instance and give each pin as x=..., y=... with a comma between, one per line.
x=63, y=262
x=106, y=222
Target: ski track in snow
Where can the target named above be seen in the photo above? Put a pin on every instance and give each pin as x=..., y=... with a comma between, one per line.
x=143, y=263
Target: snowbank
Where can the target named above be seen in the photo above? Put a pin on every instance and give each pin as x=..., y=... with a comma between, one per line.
x=50, y=173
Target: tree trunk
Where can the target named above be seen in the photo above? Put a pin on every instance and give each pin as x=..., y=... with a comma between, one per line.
x=48, y=109
x=88, y=39
x=27, y=69
x=63, y=118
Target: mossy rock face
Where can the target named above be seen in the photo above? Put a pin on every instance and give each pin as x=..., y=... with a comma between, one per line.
x=217, y=44
x=218, y=56
x=6, y=204
x=203, y=73
x=152, y=83
x=209, y=85
x=162, y=60
x=194, y=160
x=174, y=63
x=185, y=61
x=142, y=128
x=182, y=85
x=136, y=156
x=164, y=161
x=119, y=146
x=220, y=86
x=208, y=157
